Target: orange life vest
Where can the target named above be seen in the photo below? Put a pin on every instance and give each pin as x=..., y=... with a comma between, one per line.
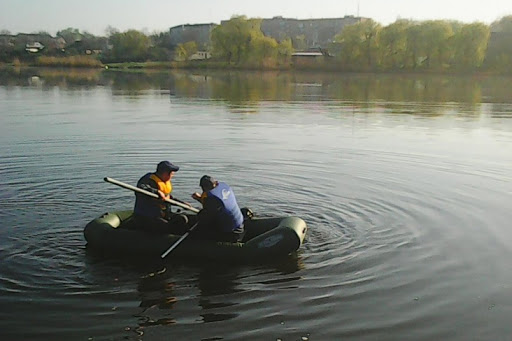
x=165, y=187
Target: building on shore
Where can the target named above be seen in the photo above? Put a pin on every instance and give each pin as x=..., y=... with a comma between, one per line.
x=32, y=41
x=312, y=33
x=200, y=55
x=304, y=33
x=499, y=50
x=199, y=33
x=34, y=47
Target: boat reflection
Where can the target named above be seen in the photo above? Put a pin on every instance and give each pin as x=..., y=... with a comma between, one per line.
x=217, y=295
x=173, y=293
x=217, y=285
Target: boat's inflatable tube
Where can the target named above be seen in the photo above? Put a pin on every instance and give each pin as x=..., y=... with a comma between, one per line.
x=266, y=238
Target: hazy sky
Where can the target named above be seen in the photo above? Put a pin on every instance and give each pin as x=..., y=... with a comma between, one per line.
x=158, y=15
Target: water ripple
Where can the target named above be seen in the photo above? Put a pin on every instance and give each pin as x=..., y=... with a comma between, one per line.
x=406, y=205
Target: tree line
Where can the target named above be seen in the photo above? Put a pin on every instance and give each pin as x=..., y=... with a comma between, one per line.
x=405, y=45
x=436, y=45
x=116, y=46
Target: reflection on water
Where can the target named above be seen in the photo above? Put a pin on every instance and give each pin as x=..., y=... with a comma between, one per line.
x=216, y=284
x=192, y=294
x=248, y=89
x=404, y=182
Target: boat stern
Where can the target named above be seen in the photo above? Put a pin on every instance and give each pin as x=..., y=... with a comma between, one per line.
x=286, y=238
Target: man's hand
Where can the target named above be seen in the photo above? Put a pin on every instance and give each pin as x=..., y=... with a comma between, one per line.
x=162, y=195
x=196, y=196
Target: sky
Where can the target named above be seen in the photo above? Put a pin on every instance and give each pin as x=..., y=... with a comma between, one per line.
x=150, y=16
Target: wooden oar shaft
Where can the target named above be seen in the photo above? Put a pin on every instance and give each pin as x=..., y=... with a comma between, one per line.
x=153, y=195
x=173, y=246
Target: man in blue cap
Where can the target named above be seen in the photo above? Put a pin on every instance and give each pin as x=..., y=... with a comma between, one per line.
x=152, y=215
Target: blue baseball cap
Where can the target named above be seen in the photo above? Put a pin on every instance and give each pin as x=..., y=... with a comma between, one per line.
x=207, y=182
x=166, y=166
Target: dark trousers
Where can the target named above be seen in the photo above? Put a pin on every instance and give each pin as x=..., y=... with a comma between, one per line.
x=177, y=224
x=209, y=232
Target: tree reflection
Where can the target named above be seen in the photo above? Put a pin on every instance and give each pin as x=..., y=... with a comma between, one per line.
x=243, y=91
x=249, y=89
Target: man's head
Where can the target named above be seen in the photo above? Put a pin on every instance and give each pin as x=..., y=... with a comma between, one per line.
x=165, y=170
x=207, y=183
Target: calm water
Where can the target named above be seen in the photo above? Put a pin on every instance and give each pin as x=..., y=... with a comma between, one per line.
x=405, y=183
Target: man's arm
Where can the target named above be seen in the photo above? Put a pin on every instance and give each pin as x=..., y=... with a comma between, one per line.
x=210, y=210
x=148, y=184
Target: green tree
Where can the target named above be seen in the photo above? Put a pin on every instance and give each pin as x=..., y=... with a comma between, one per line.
x=70, y=35
x=160, y=46
x=499, y=50
x=240, y=41
x=263, y=50
x=231, y=41
x=359, y=44
x=111, y=31
x=392, y=42
x=435, y=36
x=131, y=45
x=285, y=50
x=186, y=50
x=502, y=25
x=470, y=44
x=161, y=39
x=415, y=46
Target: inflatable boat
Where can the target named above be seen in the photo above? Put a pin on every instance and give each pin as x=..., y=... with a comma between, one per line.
x=265, y=239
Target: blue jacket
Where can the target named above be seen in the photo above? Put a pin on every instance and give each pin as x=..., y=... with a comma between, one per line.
x=229, y=218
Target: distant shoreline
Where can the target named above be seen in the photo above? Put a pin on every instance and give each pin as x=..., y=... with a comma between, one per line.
x=216, y=66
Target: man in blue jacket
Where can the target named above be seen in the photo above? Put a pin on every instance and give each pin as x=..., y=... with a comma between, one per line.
x=221, y=218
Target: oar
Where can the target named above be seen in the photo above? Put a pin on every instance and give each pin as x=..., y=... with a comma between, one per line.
x=173, y=246
x=153, y=195
x=170, y=201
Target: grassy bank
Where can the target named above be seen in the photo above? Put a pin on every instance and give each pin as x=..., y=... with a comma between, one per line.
x=141, y=65
x=92, y=62
x=193, y=65
x=71, y=61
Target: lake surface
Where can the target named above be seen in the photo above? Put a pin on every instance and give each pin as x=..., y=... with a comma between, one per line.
x=405, y=183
